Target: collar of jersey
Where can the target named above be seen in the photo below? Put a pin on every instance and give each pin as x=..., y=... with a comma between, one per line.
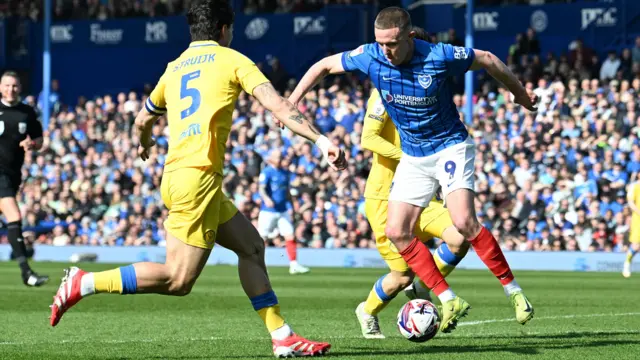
x=203, y=43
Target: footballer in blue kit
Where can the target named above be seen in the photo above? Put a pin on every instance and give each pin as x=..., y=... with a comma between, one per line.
x=413, y=79
x=274, y=218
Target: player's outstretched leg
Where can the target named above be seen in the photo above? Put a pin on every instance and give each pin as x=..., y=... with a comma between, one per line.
x=239, y=236
x=400, y=224
x=175, y=277
x=9, y=207
x=633, y=250
x=461, y=208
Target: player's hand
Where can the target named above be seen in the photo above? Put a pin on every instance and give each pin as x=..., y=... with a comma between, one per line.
x=28, y=144
x=144, y=151
x=268, y=202
x=529, y=100
x=336, y=158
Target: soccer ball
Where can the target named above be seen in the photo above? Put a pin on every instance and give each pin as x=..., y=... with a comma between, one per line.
x=418, y=320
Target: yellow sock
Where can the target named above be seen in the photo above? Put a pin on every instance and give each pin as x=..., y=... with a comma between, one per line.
x=377, y=299
x=271, y=317
x=445, y=269
x=109, y=281
x=630, y=255
x=446, y=260
x=374, y=305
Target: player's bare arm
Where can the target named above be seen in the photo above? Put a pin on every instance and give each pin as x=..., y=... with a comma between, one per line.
x=499, y=71
x=291, y=117
x=330, y=65
x=144, y=124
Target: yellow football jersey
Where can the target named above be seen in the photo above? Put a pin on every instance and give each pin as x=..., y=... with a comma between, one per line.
x=198, y=91
x=634, y=235
x=378, y=124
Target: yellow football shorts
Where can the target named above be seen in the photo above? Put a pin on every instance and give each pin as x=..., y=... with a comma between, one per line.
x=197, y=205
x=432, y=223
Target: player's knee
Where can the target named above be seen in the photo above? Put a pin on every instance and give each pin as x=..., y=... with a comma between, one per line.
x=253, y=250
x=401, y=238
x=180, y=285
x=467, y=226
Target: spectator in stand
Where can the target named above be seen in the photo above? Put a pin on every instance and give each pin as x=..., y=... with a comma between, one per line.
x=610, y=66
x=532, y=44
x=635, y=52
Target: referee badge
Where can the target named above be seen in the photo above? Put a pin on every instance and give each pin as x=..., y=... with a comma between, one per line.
x=22, y=127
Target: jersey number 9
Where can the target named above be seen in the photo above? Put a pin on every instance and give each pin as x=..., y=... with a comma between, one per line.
x=193, y=93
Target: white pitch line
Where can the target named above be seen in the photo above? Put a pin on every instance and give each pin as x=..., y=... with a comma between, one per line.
x=212, y=338
x=557, y=317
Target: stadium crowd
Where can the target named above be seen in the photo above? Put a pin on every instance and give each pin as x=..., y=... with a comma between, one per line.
x=109, y=9
x=549, y=181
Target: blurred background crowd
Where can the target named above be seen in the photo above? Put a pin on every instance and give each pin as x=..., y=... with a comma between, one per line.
x=550, y=181
x=109, y=9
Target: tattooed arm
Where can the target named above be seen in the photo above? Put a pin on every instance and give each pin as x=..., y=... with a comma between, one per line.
x=285, y=112
x=291, y=117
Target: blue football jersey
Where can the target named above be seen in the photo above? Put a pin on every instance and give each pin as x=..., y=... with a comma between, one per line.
x=417, y=95
x=276, y=183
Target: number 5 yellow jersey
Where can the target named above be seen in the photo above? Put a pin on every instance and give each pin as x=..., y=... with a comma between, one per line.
x=198, y=91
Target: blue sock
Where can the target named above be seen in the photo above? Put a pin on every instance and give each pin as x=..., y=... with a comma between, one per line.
x=129, y=282
x=380, y=292
x=265, y=300
x=445, y=254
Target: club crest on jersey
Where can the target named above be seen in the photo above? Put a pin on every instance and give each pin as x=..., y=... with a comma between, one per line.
x=386, y=95
x=425, y=80
x=22, y=127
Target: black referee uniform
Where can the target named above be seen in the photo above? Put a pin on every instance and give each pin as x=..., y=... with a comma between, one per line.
x=16, y=123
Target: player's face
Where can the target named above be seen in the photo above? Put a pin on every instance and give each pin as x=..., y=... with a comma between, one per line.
x=9, y=88
x=395, y=44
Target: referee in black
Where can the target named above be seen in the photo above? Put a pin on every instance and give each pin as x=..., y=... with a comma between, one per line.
x=20, y=131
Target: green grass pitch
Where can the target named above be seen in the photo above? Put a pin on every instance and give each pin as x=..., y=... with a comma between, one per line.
x=578, y=316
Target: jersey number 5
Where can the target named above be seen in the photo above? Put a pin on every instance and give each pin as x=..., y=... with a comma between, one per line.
x=193, y=93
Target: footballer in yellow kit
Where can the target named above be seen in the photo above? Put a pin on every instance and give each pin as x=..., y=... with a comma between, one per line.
x=633, y=201
x=381, y=137
x=205, y=83
x=198, y=92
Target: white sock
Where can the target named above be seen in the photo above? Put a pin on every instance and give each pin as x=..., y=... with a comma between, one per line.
x=512, y=287
x=447, y=295
x=282, y=332
x=87, y=285
x=293, y=263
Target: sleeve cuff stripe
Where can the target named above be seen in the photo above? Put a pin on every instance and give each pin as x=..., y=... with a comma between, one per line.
x=151, y=106
x=149, y=109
